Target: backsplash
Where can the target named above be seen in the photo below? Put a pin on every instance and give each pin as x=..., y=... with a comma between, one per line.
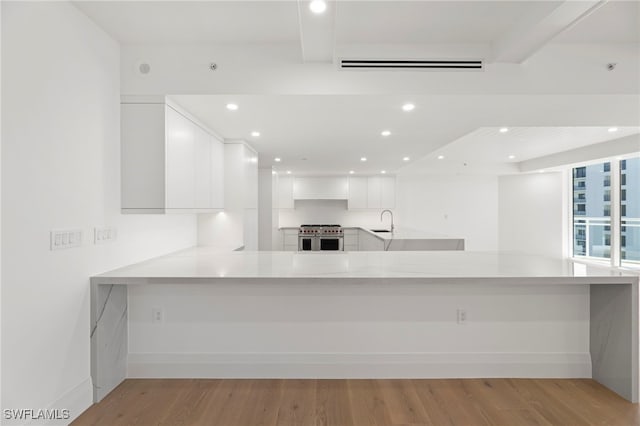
x=331, y=212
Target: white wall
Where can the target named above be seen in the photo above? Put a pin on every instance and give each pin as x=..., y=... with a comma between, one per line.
x=60, y=168
x=329, y=212
x=531, y=213
x=463, y=206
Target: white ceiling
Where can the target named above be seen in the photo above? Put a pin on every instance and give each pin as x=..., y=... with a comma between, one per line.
x=397, y=22
x=615, y=22
x=401, y=22
x=196, y=21
x=317, y=134
x=488, y=144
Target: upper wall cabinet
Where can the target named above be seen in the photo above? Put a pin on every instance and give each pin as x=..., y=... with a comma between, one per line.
x=169, y=163
x=357, y=192
x=373, y=192
x=320, y=188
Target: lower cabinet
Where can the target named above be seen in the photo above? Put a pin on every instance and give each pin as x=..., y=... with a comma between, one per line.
x=289, y=239
x=351, y=239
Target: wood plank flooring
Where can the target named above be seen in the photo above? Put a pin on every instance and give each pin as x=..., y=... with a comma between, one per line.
x=275, y=402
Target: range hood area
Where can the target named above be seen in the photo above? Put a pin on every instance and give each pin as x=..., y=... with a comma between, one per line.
x=320, y=188
x=360, y=191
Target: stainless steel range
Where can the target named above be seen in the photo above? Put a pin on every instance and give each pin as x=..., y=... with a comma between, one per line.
x=320, y=238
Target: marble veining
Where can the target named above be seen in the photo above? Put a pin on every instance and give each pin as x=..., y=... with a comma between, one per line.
x=108, y=338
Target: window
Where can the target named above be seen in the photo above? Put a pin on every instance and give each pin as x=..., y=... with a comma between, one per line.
x=593, y=229
x=592, y=211
x=630, y=212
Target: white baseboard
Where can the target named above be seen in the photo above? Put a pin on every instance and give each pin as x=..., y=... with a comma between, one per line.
x=75, y=400
x=354, y=365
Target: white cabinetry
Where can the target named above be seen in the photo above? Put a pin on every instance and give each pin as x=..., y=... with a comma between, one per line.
x=373, y=192
x=169, y=163
x=241, y=201
x=285, y=192
x=320, y=188
x=350, y=239
x=368, y=242
x=381, y=192
x=290, y=239
x=357, y=193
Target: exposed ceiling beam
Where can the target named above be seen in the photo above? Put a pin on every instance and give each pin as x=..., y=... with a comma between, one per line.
x=528, y=38
x=317, y=32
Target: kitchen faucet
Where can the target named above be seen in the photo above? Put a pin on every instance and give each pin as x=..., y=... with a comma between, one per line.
x=391, y=213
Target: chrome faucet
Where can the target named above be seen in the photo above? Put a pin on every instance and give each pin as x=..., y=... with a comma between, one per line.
x=391, y=213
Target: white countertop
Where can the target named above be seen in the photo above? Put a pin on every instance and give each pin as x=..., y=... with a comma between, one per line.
x=203, y=264
x=409, y=234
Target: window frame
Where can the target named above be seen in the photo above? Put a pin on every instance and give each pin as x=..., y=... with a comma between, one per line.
x=615, y=186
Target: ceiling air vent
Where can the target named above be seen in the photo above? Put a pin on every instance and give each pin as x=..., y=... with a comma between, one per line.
x=411, y=64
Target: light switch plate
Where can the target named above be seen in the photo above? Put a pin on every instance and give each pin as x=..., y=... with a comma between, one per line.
x=103, y=235
x=65, y=238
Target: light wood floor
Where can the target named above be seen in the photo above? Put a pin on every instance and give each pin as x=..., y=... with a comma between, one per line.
x=508, y=402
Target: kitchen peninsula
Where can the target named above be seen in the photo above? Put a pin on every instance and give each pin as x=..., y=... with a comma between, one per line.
x=205, y=312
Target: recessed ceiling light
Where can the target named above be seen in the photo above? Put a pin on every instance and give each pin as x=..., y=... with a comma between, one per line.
x=406, y=159
x=363, y=159
x=511, y=157
x=255, y=134
x=273, y=172
x=383, y=171
x=351, y=172
x=503, y=130
x=613, y=129
x=232, y=107
x=440, y=157
x=277, y=159
x=385, y=133
x=318, y=6
x=541, y=171
x=408, y=107
x=288, y=172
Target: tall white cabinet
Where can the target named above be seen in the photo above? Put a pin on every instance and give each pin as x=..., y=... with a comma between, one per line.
x=241, y=201
x=169, y=162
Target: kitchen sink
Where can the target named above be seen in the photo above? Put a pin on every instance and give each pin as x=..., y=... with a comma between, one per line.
x=379, y=230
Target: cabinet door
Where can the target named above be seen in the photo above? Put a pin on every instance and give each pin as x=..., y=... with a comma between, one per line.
x=285, y=191
x=250, y=178
x=387, y=192
x=217, y=173
x=357, y=193
x=143, y=152
x=202, y=141
x=374, y=185
x=180, y=161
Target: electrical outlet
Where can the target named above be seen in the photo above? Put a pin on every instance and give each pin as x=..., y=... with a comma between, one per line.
x=157, y=315
x=104, y=235
x=462, y=316
x=65, y=238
